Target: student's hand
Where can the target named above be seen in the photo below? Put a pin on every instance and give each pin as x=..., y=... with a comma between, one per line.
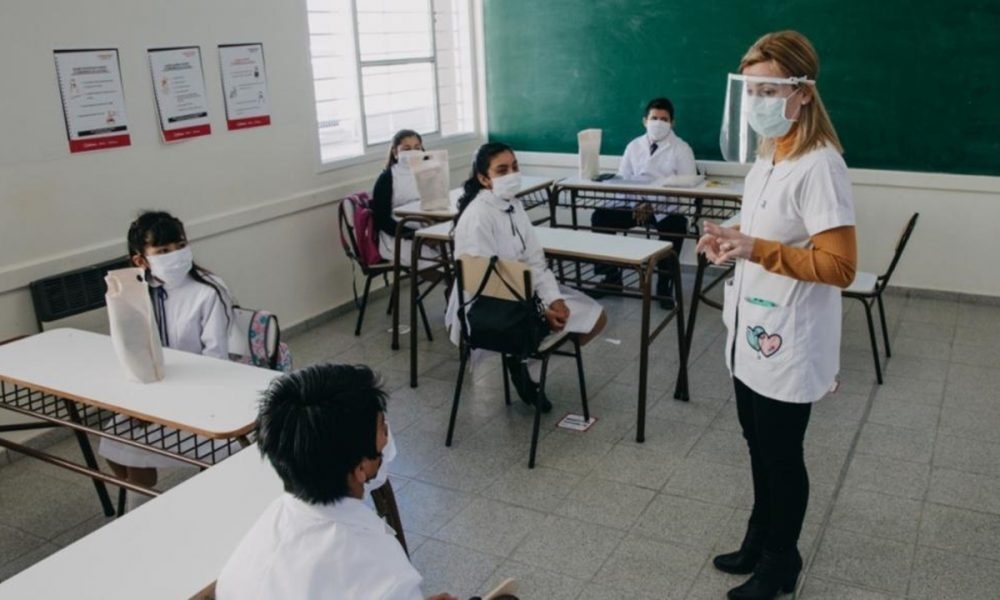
x=723, y=244
x=442, y=597
x=642, y=213
x=557, y=314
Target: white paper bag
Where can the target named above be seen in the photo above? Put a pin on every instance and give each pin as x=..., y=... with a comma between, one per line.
x=430, y=169
x=133, y=327
x=589, y=141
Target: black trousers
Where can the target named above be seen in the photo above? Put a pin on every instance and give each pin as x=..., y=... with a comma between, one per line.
x=774, y=432
x=671, y=228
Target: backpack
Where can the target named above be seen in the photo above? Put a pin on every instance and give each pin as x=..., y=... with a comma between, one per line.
x=365, y=235
x=263, y=332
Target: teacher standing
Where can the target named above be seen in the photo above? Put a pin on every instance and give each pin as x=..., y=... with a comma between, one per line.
x=794, y=249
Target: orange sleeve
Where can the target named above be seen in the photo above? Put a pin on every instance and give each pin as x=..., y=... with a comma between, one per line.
x=832, y=258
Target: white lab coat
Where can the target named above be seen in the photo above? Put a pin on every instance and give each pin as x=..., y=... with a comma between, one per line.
x=317, y=551
x=197, y=321
x=673, y=156
x=789, y=351
x=492, y=226
x=404, y=191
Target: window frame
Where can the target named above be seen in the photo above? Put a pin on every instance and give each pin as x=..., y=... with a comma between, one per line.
x=378, y=151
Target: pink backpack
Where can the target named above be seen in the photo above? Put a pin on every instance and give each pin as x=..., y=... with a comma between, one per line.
x=356, y=217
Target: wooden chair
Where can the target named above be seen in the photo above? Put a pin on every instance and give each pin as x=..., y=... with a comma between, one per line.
x=868, y=287
x=470, y=271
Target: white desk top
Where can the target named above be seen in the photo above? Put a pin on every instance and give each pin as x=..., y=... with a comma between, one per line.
x=169, y=548
x=715, y=187
x=212, y=397
x=412, y=209
x=573, y=243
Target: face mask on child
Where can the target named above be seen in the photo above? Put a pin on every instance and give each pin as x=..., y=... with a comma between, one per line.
x=171, y=268
x=507, y=186
x=388, y=453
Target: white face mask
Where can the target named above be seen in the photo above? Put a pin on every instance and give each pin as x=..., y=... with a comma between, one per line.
x=767, y=116
x=388, y=454
x=507, y=186
x=171, y=268
x=657, y=130
x=403, y=157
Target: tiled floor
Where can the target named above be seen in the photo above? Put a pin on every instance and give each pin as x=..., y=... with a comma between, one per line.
x=905, y=477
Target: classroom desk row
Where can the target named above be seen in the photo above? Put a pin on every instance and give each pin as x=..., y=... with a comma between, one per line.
x=573, y=253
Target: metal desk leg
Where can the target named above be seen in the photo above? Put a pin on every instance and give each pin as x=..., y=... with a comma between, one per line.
x=699, y=281
x=394, y=294
x=683, y=346
x=414, y=278
x=646, y=283
x=88, y=457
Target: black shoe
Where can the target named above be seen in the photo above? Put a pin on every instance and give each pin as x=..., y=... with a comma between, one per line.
x=743, y=561
x=541, y=397
x=528, y=390
x=776, y=573
x=667, y=303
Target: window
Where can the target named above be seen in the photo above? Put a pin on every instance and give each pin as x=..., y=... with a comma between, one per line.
x=384, y=65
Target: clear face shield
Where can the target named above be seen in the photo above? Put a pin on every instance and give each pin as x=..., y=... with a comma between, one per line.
x=756, y=107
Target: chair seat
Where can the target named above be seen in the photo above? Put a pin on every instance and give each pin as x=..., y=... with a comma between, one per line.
x=864, y=283
x=552, y=340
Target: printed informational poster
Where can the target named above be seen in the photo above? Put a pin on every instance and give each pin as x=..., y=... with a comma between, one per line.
x=244, y=83
x=179, y=88
x=93, y=99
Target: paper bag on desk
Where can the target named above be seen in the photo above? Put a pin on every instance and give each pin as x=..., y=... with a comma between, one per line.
x=133, y=326
x=430, y=169
x=589, y=141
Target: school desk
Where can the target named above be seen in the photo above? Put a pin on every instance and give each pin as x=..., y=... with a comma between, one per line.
x=572, y=252
x=200, y=412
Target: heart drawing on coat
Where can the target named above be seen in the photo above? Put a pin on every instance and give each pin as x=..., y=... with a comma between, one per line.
x=762, y=342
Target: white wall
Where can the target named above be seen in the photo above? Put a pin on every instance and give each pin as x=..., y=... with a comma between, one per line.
x=953, y=249
x=260, y=213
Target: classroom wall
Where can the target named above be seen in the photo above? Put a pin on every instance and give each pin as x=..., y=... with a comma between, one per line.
x=258, y=210
x=953, y=248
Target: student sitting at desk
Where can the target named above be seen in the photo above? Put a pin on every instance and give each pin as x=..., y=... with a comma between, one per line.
x=323, y=429
x=657, y=154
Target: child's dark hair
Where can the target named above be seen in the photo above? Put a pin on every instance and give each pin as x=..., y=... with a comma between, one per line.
x=158, y=228
x=397, y=139
x=316, y=424
x=480, y=166
x=660, y=104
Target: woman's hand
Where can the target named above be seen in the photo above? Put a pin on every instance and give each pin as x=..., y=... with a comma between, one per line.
x=557, y=314
x=723, y=244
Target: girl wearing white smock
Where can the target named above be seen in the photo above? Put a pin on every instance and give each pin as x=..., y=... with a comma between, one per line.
x=794, y=249
x=493, y=222
x=193, y=312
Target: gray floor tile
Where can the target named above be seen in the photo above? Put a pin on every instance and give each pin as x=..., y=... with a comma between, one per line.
x=643, y=566
x=45, y=506
x=634, y=465
x=976, y=356
x=540, y=488
x=27, y=559
x=877, y=515
x=569, y=547
x=906, y=414
x=982, y=425
x=673, y=438
x=943, y=575
x=83, y=529
x=919, y=368
x=965, y=490
x=468, y=470
x=887, y=476
x=871, y=562
x=426, y=508
x=568, y=451
x=919, y=343
x=415, y=452
x=491, y=527
x=721, y=446
x=712, y=584
x=712, y=482
x=453, y=569
x=698, y=411
x=825, y=465
x=961, y=531
x=841, y=405
x=833, y=433
x=821, y=589
x=14, y=543
x=693, y=523
x=971, y=456
x=608, y=503
x=976, y=336
x=896, y=442
x=909, y=385
x=534, y=582
x=593, y=591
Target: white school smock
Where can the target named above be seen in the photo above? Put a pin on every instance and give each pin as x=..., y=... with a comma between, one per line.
x=673, y=156
x=492, y=226
x=318, y=551
x=197, y=321
x=404, y=191
x=789, y=351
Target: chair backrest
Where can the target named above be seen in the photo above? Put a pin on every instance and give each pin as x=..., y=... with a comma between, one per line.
x=73, y=292
x=357, y=230
x=473, y=268
x=904, y=237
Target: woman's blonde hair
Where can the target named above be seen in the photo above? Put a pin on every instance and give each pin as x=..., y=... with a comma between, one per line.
x=795, y=55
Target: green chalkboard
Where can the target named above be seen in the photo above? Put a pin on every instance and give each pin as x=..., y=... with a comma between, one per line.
x=910, y=85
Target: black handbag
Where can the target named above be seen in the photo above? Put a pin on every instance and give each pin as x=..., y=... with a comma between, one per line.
x=513, y=327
